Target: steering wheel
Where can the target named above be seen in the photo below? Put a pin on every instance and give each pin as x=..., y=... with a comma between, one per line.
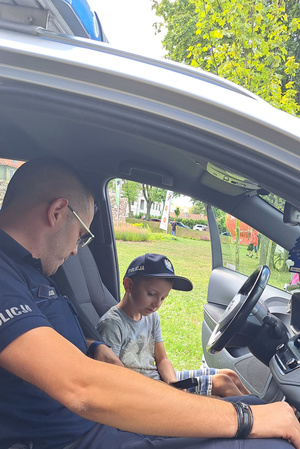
x=238, y=309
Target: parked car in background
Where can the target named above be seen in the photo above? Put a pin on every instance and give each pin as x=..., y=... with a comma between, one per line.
x=181, y=225
x=200, y=227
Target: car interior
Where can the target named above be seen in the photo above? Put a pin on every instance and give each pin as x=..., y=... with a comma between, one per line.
x=137, y=124
x=103, y=149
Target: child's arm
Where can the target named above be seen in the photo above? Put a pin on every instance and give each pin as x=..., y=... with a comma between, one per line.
x=164, y=366
x=104, y=354
x=111, y=334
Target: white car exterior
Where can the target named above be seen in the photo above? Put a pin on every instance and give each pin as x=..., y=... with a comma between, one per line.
x=200, y=227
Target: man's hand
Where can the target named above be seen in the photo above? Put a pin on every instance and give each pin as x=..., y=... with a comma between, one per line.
x=276, y=420
x=105, y=354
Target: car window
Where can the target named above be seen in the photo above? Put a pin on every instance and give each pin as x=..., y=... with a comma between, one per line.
x=244, y=249
x=274, y=200
x=7, y=169
x=137, y=233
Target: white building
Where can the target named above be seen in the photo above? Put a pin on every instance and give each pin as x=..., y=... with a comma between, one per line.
x=140, y=207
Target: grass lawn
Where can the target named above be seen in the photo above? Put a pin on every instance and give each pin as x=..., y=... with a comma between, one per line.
x=182, y=312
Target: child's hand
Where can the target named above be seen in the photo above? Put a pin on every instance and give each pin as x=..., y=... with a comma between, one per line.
x=104, y=354
x=171, y=381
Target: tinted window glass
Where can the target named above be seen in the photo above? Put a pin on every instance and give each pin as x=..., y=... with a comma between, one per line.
x=244, y=248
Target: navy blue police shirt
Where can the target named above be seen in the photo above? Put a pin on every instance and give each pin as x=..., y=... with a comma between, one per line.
x=30, y=300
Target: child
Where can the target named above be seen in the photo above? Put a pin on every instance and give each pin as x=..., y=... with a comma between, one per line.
x=132, y=328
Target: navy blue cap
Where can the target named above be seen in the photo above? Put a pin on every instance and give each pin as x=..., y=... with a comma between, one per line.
x=157, y=265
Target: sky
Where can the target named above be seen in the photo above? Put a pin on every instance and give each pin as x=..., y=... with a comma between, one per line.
x=128, y=24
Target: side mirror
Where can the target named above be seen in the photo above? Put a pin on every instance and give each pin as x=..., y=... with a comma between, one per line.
x=291, y=215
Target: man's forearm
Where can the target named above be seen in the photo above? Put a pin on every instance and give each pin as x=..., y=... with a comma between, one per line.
x=113, y=395
x=162, y=410
x=158, y=408
x=124, y=399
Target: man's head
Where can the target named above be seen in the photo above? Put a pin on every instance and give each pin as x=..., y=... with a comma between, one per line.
x=47, y=209
x=46, y=179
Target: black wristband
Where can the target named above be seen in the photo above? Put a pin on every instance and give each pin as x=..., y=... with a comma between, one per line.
x=244, y=418
x=92, y=348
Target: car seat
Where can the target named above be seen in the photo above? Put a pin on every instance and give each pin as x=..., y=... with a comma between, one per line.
x=80, y=280
x=21, y=446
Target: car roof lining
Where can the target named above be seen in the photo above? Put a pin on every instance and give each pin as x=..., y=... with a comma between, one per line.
x=170, y=156
x=32, y=129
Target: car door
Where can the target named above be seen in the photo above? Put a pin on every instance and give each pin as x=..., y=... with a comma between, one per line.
x=229, y=272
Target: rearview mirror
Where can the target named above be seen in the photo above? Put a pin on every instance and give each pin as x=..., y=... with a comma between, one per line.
x=291, y=215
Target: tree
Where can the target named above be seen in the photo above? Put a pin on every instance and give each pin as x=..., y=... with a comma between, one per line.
x=198, y=207
x=293, y=43
x=275, y=200
x=152, y=194
x=237, y=244
x=181, y=21
x=252, y=43
x=177, y=213
x=130, y=190
x=220, y=217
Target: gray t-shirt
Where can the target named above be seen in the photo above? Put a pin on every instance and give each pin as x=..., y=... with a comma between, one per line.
x=132, y=341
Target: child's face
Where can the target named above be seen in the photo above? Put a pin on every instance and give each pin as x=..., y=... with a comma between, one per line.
x=147, y=295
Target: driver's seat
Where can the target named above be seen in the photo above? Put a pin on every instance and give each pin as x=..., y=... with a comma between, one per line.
x=80, y=280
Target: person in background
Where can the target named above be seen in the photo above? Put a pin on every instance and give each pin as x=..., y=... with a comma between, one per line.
x=173, y=227
x=253, y=244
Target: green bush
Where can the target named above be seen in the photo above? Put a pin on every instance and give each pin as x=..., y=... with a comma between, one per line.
x=162, y=237
x=191, y=223
x=133, y=220
x=187, y=221
x=132, y=233
x=154, y=229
